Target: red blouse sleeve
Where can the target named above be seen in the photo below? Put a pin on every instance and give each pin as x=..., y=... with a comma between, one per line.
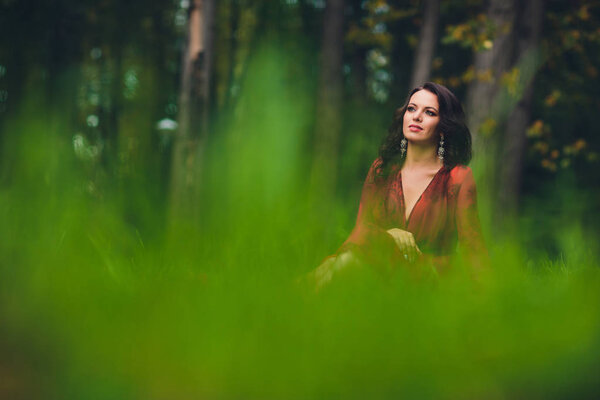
x=366, y=229
x=470, y=237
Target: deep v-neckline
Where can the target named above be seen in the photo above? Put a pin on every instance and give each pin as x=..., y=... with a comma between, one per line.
x=407, y=219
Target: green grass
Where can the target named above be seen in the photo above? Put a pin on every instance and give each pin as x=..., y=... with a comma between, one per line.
x=98, y=300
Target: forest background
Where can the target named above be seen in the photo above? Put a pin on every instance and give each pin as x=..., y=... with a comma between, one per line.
x=170, y=168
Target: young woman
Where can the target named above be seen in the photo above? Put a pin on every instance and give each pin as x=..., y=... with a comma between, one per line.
x=419, y=198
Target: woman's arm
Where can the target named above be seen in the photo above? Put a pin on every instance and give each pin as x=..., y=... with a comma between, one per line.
x=346, y=254
x=470, y=237
x=365, y=225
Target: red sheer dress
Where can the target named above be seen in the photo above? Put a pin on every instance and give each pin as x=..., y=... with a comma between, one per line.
x=444, y=215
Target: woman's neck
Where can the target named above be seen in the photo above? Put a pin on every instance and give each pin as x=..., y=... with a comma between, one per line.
x=421, y=156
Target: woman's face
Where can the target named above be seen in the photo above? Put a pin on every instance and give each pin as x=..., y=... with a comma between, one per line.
x=421, y=118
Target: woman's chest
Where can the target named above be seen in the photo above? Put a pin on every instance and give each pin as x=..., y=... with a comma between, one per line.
x=413, y=186
x=424, y=202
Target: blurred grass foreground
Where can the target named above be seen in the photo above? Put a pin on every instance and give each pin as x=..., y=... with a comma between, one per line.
x=101, y=298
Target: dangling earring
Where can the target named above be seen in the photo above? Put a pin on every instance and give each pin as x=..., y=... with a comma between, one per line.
x=403, y=143
x=441, y=149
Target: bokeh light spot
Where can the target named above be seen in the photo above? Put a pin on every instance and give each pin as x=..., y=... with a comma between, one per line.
x=92, y=120
x=131, y=83
x=96, y=53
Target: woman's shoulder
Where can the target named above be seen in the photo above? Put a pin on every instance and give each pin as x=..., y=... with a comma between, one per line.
x=461, y=173
x=375, y=168
x=377, y=163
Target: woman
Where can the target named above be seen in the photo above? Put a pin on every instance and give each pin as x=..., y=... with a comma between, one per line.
x=419, y=198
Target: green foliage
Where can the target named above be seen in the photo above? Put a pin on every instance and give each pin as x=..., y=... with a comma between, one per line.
x=92, y=306
x=371, y=30
x=477, y=33
x=566, y=100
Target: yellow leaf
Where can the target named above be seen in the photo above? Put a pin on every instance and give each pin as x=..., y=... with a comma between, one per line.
x=552, y=98
x=541, y=147
x=549, y=165
x=536, y=129
x=584, y=13
x=579, y=145
x=485, y=75
x=469, y=74
x=487, y=127
x=511, y=79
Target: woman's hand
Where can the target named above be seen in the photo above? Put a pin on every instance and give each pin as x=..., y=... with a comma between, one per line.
x=406, y=243
x=323, y=274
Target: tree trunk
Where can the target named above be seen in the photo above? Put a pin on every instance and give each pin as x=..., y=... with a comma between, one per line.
x=514, y=138
x=193, y=103
x=427, y=43
x=207, y=72
x=329, y=103
x=482, y=103
x=205, y=97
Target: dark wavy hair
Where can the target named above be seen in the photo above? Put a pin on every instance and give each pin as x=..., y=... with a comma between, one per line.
x=457, y=137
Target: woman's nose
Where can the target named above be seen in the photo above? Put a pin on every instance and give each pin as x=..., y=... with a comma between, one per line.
x=417, y=116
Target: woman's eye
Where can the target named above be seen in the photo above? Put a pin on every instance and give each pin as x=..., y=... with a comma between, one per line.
x=430, y=113
x=410, y=108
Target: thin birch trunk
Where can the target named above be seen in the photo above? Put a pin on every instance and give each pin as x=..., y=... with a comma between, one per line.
x=514, y=138
x=184, y=145
x=482, y=100
x=427, y=43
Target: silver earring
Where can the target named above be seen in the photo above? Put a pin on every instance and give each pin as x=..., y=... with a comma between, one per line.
x=403, y=143
x=441, y=149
